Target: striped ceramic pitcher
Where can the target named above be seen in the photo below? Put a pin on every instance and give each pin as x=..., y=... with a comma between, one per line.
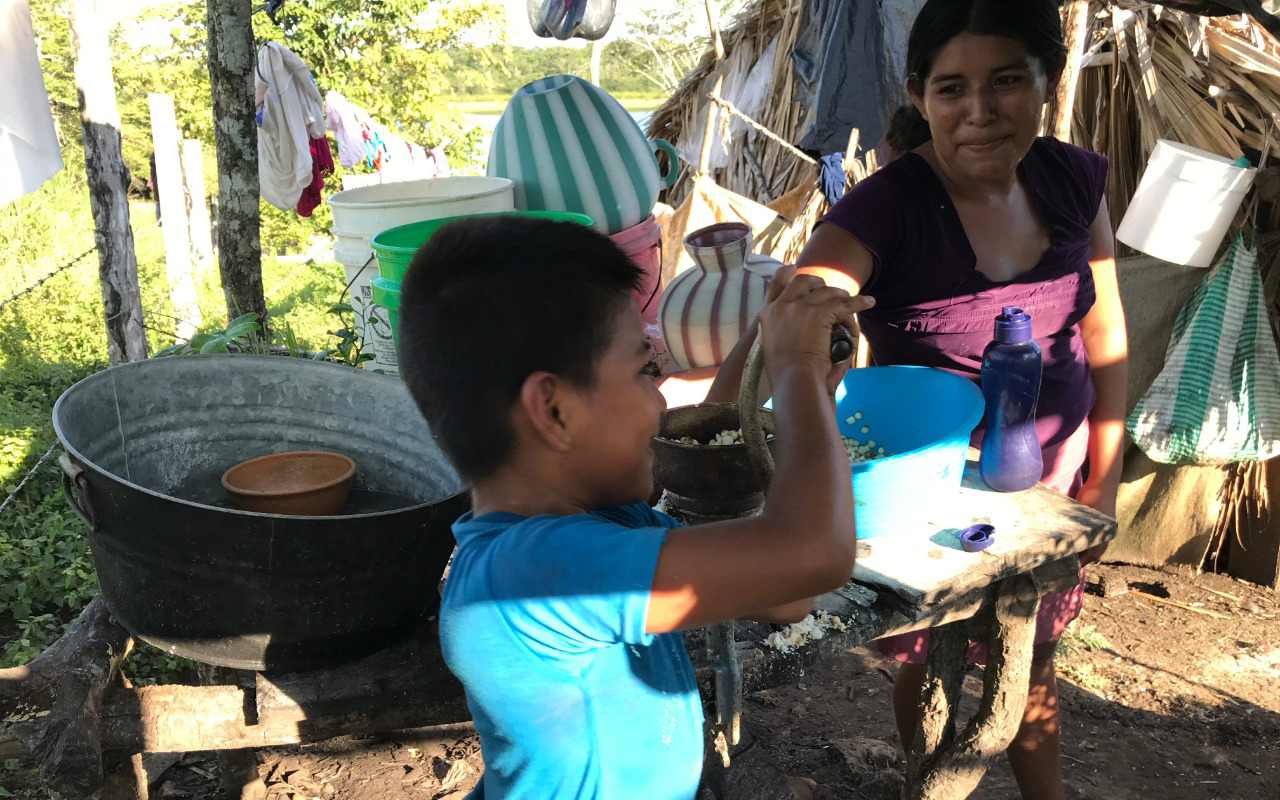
x=707, y=308
x=569, y=146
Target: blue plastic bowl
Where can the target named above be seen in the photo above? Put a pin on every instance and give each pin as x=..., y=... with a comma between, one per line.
x=922, y=417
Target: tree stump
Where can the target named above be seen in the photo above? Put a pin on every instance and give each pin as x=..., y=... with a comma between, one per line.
x=52, y=705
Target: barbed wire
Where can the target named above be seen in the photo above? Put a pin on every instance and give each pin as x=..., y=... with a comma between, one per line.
x=44, y=201
x=65, y=267
x=27, y=477
x=57, y=271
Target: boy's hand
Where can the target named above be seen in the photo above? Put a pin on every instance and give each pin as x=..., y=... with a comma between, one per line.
x=796, y=323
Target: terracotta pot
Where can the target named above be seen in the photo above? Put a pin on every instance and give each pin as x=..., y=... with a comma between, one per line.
x=300, y=483
x=708, y=307
x=643, y=245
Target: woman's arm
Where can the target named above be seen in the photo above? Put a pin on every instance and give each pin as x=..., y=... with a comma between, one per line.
x=1107, y=344
x=836, y=256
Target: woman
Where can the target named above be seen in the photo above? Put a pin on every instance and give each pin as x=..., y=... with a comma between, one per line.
x=979, y=213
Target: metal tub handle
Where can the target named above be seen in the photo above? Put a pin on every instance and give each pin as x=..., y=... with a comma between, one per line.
x=75, y=482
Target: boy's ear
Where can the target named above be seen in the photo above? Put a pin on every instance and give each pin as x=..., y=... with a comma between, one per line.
x=542, y=401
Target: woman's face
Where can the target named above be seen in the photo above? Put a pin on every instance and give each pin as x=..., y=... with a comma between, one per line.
x=983, y=100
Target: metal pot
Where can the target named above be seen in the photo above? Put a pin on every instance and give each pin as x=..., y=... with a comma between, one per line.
x=145, y=446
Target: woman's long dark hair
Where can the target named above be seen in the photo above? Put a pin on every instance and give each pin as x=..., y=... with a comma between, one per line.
x=1034, y=23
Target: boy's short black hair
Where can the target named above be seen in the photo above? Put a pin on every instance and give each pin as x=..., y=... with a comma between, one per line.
x=488, y=301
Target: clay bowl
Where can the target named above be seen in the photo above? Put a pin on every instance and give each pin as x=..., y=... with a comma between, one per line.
x=309, y=483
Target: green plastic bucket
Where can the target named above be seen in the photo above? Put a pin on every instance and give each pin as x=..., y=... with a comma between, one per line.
x=386, y=295
x=395, y=246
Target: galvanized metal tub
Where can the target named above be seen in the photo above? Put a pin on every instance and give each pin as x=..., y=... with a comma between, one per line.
x=145, y=445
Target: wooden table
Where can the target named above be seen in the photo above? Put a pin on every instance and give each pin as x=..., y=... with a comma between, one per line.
x=925, y=579
x=68, y=708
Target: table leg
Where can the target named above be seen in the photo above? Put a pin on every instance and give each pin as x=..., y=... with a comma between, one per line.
x=952, y=770
x=944, y=676
x=728, y=672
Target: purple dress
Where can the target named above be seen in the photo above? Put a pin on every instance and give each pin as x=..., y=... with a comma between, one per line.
x=934, y=308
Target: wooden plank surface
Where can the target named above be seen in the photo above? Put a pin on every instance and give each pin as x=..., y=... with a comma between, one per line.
x=1033, y=527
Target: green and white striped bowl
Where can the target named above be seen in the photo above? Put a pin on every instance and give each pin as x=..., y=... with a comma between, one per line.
x=569, y=146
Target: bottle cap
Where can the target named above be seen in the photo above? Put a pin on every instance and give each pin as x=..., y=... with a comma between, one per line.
x=1013, y=326
x=976, y=537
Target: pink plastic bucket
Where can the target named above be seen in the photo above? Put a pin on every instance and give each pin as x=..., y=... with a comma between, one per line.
x=643, y=245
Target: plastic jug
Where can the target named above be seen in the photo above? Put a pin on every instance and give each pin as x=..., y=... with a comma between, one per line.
x=1010, y=459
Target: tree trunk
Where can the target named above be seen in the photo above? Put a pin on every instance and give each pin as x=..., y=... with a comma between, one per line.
x=1061, y=106
x=108, y=183
x=231, y=63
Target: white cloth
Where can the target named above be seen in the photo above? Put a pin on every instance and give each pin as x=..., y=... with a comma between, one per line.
x=398, y=156
x=292, y=115
x=346, y=120
x=29, y=153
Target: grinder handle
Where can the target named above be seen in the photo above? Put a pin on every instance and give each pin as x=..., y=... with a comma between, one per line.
x=841, y=343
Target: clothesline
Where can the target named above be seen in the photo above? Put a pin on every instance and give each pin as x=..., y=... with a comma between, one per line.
x=762, y=130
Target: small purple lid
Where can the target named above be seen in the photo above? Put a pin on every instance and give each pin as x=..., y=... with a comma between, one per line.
x=1013, y=326
x=976, y=537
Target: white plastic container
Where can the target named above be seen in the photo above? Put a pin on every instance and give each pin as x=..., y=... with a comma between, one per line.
x=359, y=214
x=1184, y=204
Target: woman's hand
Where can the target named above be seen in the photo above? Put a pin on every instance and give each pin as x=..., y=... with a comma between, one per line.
x=1099, y=495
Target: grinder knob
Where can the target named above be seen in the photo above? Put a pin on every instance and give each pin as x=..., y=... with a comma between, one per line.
x=841, y=343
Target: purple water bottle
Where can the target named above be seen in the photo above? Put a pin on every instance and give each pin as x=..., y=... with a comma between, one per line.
x=1010, y=459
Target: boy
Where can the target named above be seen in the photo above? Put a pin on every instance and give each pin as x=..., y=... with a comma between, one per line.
x=526, y=354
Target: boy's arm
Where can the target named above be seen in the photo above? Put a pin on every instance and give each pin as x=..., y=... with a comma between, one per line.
x=832, y=254
x=784, y=614
x=803, y=543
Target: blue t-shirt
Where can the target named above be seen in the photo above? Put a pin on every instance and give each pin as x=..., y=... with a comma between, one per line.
x=543, y=622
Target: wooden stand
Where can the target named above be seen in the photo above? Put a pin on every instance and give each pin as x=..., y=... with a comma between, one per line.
x=69, y=711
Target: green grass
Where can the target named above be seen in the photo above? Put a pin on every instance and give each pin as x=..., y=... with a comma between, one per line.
x=1080, y=635
x=494, y=104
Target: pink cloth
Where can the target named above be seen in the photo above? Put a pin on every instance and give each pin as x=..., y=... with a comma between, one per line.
x=1062, y=473
x=321, y=167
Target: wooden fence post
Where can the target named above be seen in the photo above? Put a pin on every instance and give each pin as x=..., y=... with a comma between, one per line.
x=231, y=62
x=173, y=215
x=197, y=205
x=108, y=182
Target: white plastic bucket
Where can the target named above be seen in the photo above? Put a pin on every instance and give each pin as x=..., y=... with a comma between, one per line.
x=1184, y=204
x=361, y=213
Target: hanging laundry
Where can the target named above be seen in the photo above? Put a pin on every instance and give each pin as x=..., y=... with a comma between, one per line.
x=347, y=123
x=440, y=163
x=380, y=136
x=832, y=178
x=374, y=149
x=397, y=151
x=321, y=168
x=292, y=115
x=29, y=153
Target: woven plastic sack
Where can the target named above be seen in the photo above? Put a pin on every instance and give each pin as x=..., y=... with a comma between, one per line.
x=1217, y=400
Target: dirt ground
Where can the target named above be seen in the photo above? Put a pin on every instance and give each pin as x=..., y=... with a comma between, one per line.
x=1158, y=700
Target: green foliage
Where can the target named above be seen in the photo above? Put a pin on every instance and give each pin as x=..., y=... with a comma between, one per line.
x=237, y=336
x=390, y=57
